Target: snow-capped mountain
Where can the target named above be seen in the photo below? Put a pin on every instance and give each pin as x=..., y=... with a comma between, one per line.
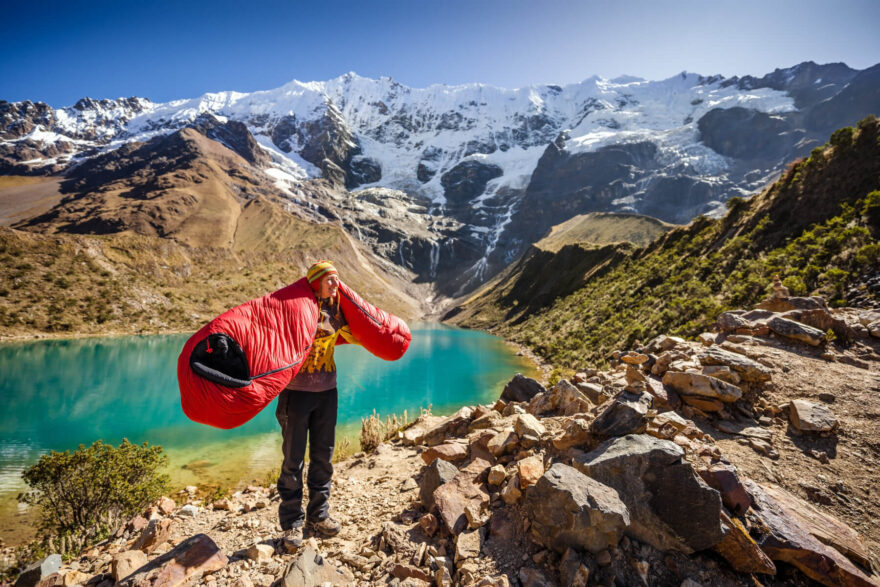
x=476, y=173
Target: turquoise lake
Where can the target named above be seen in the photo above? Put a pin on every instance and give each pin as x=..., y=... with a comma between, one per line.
x=62, y=393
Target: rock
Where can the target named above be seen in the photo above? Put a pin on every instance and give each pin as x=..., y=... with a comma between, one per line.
x=664, y=343
x=497, y=475
x=125, y=563
x=634, y=358
x=572, y=571
x=401, y=571
x=701, y=385
x=567, y=509
x=822, y=526
x=448, y=451
x=732, y=321
x=666, y=425
x=707, y=338
x=738, y=548
x=455, y=425
x=39, y=571
x=670, y=507
x=663, y=398
x=453, y=497
x=186, y=561
x=809, y=417
x=166, y=505
x=787, y=541
x=502, y=527
x=575, y=432
x=136, y=524
x=530, y=577
x=189, y=510
x=504, y=442
x=476, y=515
x=154, y=535
x=666, y=359
x=468, y=545
x=490, y=420
x=626, y=414
x=593, y=392
x=71, y=578
x=442, y=577
x=528, y=425
x=745, y=367
x=260, y=552
x=530, y=470
x=223, y=505
x=792, y=303
x=796, y=331
x=723, y=373
x=429, y=524
x=511, y=492
x=415, y=433
x=723, y=478
x=521, y=389
x=435, y=475
x=310, y=568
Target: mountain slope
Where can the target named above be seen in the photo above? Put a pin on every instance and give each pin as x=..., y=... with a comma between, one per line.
x=486, y=171
x=817, y=227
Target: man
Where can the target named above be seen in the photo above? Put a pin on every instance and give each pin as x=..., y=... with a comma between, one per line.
x=307, y=411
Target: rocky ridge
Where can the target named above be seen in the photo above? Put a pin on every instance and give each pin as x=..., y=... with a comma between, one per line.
x=739, y=458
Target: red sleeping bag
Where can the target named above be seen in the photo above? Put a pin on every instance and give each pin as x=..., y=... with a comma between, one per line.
x=237, y=363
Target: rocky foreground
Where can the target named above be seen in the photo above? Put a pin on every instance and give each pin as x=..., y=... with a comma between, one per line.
x=744, y=458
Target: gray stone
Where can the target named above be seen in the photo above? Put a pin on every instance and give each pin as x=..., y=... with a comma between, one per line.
x=809, y=417
x=436, y=474
x=521, y=389
x=701, y=385
x=189, y=510
x=796, y=331
x=593, y=391
x=36, y=572
x=747, y=369
x=567, y=509
x=626, y=414
x=670, y=507
x=310, y=568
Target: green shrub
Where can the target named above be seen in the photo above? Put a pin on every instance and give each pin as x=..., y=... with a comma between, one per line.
x=843, y=137
x=871, y=209
x=84, y=494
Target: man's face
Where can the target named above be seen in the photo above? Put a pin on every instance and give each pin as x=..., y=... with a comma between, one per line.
x=329, y=286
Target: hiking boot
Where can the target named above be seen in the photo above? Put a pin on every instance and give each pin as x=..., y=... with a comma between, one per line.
x=292, y=539
x=327, y=527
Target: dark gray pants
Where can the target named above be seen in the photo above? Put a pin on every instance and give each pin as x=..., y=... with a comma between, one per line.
x=306, y=415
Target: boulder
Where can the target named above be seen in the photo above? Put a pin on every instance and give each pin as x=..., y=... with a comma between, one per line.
x=626, y=414
x=796, y=331
x=125, y=563
x=454, y=425
x=723, y=478
x=448, y=451
x=822, y=526
x=567, y=509
x=521, y=389
x=38, y=571
x=186, y=561
x=732, y=321
x=504, y=442
x=705, y=404
x=453, y=498
x=593, y=392
x=809, y=417
x=670, y=507
x=310, y=568
x=528, y=425
x=154, y=535
x=666, y=425
x=530, y=470
x=575, y=432
x=260, y=552
x=740, y=550
x=664, y=343
x=189, y=510
x=435, y=475
x=745, y=367
x=415, y=433
x=701, y=385
x=666, y=359
x=707, y=338
x=468, y=545
x=792, y=303
x=786, y=540
x=723, y=373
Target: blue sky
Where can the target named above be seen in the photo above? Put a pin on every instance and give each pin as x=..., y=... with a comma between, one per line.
x=58, y=52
